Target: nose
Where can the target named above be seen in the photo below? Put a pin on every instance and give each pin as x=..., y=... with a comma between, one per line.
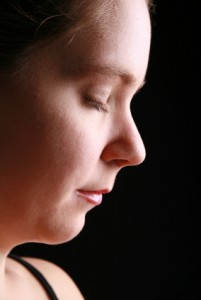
x=125, y=146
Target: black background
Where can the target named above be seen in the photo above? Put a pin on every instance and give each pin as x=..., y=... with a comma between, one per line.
x=142, y=242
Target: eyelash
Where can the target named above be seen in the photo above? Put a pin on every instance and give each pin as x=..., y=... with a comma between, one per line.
x=99, y=106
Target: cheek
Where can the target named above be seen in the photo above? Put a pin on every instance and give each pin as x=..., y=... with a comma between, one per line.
x=67, y=148
x=74, y=147
x=48, y=146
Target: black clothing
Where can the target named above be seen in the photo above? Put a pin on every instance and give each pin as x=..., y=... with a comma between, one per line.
x=38, y=275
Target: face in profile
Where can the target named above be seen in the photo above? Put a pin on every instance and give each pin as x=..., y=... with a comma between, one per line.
x=66, y=125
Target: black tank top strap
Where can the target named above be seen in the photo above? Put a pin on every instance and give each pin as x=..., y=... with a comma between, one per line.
x=37, y=274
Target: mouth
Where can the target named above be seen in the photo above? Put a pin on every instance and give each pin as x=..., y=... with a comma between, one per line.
x=94, y=197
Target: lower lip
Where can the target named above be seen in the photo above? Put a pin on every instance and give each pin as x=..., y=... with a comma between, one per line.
x=92, y=197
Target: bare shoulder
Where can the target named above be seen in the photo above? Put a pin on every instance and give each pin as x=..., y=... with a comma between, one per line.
x=61, y=282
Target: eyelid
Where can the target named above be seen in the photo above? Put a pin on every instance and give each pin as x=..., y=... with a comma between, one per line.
x=97, y=104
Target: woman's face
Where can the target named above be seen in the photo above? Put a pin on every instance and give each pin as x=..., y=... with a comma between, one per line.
x=66, y=128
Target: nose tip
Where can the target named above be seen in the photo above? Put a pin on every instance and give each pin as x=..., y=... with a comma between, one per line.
x=139, y=152
x=127, y=148
x=132, y=151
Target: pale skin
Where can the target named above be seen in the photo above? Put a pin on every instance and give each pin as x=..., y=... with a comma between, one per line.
x=56, y=141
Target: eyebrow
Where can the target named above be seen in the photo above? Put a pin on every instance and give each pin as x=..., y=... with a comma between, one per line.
x=111, y=71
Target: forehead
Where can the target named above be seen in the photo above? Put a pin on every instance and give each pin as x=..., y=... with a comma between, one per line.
x=120, y=43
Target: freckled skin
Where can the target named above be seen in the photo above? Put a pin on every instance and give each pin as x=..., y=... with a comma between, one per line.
x=54, y=142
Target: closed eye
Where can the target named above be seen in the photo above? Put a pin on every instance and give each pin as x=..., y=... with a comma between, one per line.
x=96, y=104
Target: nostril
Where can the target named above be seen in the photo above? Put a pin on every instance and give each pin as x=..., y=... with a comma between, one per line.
x=122, y=163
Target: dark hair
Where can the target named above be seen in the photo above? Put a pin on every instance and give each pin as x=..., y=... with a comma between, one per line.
x=24, y=23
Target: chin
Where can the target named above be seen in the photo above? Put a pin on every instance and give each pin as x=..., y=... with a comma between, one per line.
x=55, y=234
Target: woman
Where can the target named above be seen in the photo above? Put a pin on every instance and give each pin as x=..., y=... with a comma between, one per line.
x=68, y=72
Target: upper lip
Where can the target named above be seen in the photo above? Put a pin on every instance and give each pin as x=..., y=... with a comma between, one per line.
x=98, y=192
